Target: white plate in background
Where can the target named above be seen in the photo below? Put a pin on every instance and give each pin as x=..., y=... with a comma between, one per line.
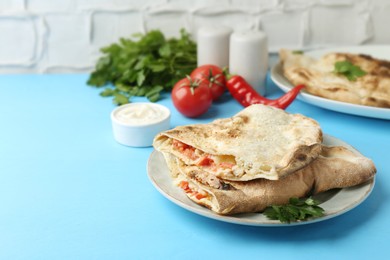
x=380, y=52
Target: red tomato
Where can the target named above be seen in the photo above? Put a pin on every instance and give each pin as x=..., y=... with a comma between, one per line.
x=213, y=76
x=191, y=98
x=205, y=161
x=199, y=196
x=184, y=185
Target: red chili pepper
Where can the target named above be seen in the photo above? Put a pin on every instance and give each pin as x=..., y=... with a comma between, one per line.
x=246, y=95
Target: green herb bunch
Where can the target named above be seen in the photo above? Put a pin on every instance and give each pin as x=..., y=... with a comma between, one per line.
x=143, y=67
x=296, y=210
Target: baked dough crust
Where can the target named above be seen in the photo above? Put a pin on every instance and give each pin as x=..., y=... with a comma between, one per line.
x=336, y=167
x=265, y=142
x=372, y=89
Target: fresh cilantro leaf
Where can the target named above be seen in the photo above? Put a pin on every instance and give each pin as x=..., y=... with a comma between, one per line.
x=153, y=91
x=103, y=62
x=122, y=87
x=141, y=92
x=165, y=50
x=141, y=77
x=296, y=210
x=133, y=91
x=154, y=97
x=97, y=79
x=357, y=71
x=310, y=201
x=120, y=99
x=350, y=71
x=108, y=92
x=157, y=67
x=342, y=66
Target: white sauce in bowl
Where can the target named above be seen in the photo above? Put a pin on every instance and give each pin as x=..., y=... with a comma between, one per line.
x=137, y=124
x=140, y=113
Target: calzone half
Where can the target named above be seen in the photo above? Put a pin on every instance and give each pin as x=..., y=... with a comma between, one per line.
x=258, y=142
x=336, y=167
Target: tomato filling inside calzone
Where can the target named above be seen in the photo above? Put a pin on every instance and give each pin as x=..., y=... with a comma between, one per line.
x=197, y=157
x=191, y=191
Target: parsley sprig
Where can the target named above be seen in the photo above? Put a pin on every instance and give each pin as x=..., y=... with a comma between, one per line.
x=143, y=66
x=346, y=68
x=296, y=210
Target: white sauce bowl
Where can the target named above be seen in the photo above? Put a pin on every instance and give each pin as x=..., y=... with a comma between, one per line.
x=136, y=124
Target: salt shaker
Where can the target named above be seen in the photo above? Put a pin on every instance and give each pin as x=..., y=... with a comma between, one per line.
x=213, y=45
x=248, y=57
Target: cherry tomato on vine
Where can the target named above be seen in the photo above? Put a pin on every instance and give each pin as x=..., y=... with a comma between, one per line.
x=213, y=76
x=191, y=98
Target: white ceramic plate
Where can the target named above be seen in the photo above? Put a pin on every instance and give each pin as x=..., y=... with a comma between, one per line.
x=381, y=52
x=334, y=202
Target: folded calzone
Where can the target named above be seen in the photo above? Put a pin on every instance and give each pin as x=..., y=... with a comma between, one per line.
x=336, y=167
x=258, y=142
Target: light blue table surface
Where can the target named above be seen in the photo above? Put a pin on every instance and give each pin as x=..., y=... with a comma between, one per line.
x=69, y=191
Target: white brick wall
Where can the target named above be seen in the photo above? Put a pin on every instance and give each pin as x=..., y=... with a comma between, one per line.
x=41, y=36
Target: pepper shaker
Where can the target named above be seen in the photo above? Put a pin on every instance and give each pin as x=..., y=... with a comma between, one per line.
x=248, y=57
x=213, y=45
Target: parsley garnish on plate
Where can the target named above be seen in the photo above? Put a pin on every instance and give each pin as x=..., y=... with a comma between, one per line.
x=143, y=66
x=296, y=210
x=349, y=70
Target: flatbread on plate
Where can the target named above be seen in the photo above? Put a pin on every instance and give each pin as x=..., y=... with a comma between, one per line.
x=336, y=167
x=258, y=142
x=320, y=79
